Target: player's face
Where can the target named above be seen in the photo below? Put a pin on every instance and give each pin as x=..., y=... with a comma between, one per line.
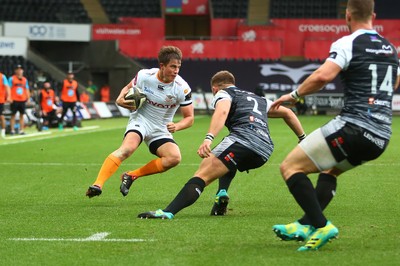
x=169, y=71
x=19, y=71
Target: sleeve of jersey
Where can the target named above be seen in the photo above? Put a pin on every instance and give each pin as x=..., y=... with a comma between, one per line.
x=137, y=79
x=269, y=103
x=187, y=91
x=221, y=95
x=339, y=53
x=5, y=81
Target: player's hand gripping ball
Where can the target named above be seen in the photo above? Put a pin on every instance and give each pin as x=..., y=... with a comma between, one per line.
x=136, y=97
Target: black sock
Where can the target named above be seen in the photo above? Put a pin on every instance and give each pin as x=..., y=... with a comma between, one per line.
x=225, y=181
x=187, y=196
x=303, y=191
x=325, y=189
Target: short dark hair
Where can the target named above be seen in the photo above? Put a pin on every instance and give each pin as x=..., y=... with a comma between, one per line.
x=167, y=53
x=361, y=10
x=222, y=78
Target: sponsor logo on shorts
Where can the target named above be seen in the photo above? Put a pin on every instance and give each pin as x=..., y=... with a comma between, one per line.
x=377, y=141
x=229, y=157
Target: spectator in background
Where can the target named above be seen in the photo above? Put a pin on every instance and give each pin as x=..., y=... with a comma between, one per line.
x=105, y=93
x=69, y=96
x=40, y=78
x=301, y=106
x=20, y=95
x=47, y=101
x=5, y=96
x=84, y=97
x=92, y=90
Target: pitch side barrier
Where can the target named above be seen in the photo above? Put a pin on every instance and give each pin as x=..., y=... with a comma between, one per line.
x=321, y=103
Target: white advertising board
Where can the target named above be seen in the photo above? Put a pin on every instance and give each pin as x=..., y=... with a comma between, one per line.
x=13, y=46
x=48, y=31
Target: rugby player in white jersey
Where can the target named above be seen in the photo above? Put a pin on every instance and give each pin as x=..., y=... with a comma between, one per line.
x=165, y=91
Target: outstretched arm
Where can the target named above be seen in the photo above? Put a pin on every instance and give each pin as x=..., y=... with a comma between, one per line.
x=316, y=81
x=290, y=119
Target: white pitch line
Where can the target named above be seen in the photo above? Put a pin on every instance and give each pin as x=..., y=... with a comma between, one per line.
x=98, y=237
x=28, y=135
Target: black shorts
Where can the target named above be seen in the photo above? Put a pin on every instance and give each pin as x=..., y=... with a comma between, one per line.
x=17, y=106
x=69, y=105
x=153, y=147
x=237, y=156
x=1, y=108
x=355, y=144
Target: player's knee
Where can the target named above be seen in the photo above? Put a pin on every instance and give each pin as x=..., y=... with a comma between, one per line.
x=285, y=170
x=172, y=160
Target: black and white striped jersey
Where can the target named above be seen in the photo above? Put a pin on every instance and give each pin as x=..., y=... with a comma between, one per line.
x=247, y=120
x=370, y=66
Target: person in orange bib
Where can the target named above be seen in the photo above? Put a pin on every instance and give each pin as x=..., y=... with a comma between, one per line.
x=5, y=96
x=47, y=99
x=20, y=96
x=69, y=96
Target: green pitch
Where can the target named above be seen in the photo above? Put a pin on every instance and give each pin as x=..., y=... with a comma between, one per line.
x=45, y=218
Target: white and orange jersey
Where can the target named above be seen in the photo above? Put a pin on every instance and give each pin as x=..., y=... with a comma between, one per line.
x=163, y=99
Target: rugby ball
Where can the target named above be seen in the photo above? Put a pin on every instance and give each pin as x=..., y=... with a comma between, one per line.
x=137, y=96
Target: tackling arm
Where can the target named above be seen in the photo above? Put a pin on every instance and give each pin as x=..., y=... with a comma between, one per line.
x=315, y=82
x=290, y=119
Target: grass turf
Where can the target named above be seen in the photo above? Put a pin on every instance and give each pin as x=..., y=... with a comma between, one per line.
x=45, y=218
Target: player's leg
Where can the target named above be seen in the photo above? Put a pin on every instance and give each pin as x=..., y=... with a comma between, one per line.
x=12, y=119
x=74, y=109
x=3, y=121
x=325, y=189
x=110, y=165
x=169, y=156
x=221, y=199
x=21, y=118
x=61, y=118
x=210, y=169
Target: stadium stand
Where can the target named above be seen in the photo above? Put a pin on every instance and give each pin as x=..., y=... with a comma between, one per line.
x=229, y=8
x=56, y=11
x=131, y=8
x=304, y=9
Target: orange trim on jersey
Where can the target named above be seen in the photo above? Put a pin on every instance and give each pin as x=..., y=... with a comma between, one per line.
x=19, y=91
x=68, y=91
x=2, y=90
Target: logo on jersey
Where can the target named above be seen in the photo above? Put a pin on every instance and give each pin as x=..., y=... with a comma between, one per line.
x=147, y=90
x=374, y=38
x=295, y=74
x=160, y=87
x=386, y=49
x=333, y=55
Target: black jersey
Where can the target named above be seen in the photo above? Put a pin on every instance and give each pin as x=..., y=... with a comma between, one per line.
x=247, y=120
x=369, y=70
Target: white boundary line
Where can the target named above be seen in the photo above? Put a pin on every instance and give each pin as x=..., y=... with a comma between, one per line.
x=98, y=237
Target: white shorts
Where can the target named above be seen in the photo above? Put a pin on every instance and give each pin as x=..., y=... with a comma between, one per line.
x=316, y=147
x=148, y=131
